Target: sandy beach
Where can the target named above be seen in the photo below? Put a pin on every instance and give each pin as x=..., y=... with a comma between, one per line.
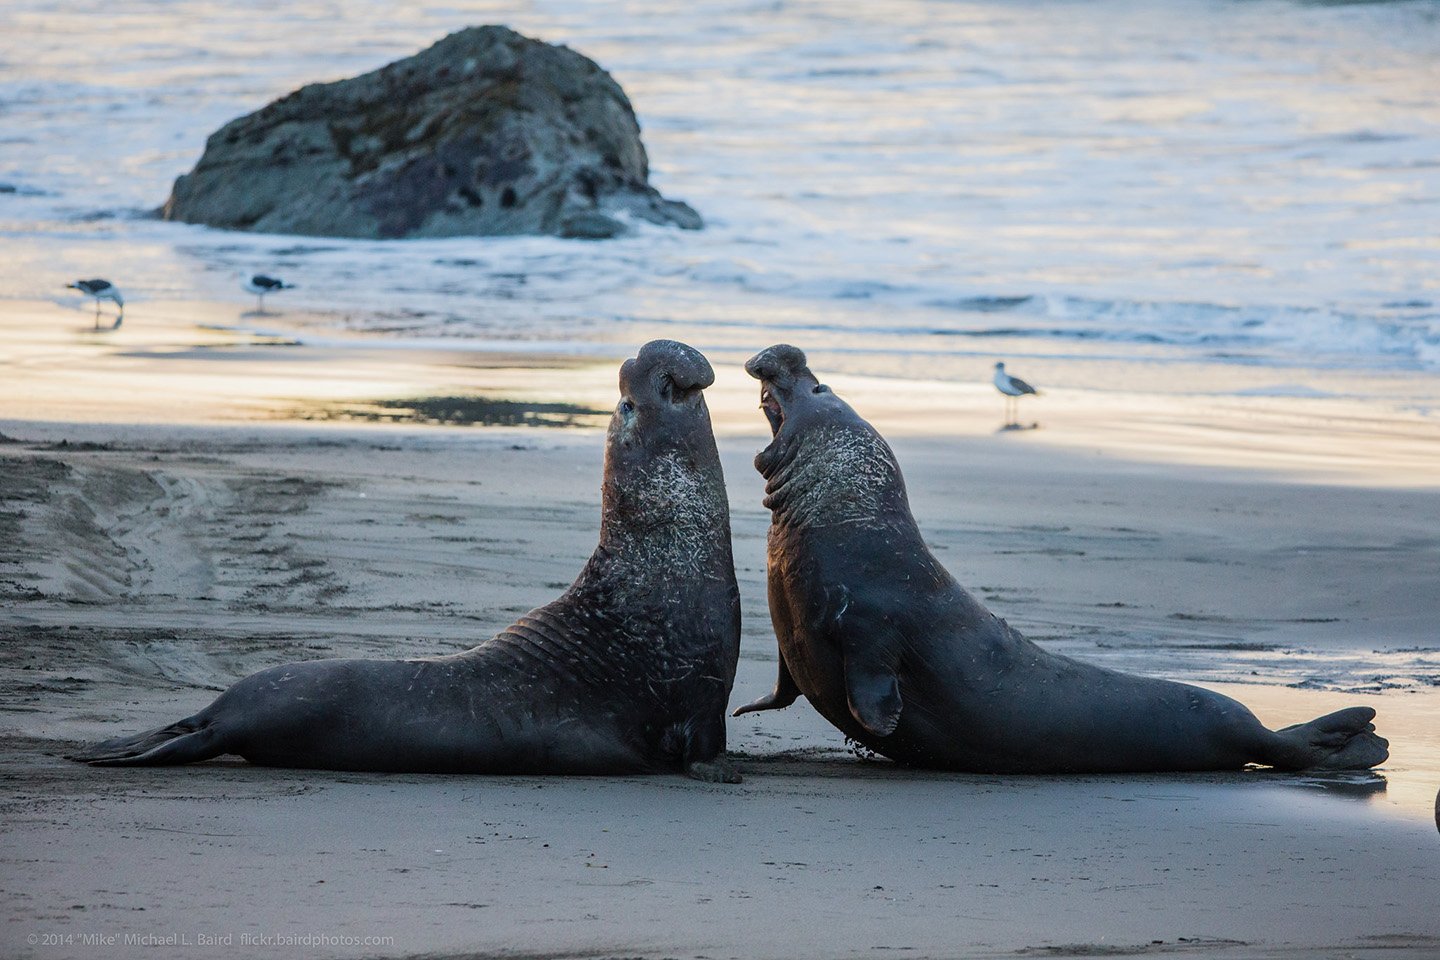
x=180, y=519
x=1205, y=230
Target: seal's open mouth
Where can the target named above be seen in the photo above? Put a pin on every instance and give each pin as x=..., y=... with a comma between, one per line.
x=772, y=409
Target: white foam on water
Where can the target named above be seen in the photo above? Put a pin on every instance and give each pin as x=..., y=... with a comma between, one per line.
x=913, y=189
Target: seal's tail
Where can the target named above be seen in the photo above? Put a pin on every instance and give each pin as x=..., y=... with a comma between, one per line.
x=1343, y=740
x=185, y=742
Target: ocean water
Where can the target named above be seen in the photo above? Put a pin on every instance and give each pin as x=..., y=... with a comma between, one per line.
x=1232, y=196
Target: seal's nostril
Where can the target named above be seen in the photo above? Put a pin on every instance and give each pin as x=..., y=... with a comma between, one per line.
x=676, y=392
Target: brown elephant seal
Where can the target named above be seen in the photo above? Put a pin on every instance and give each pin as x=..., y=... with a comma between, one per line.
x=628, y=671
x=889, y=648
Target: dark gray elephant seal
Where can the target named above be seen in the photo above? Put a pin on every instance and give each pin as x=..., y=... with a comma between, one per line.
x=889, y=648
x=629, y=671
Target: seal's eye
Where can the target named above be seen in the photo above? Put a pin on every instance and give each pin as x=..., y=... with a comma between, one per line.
x=626, y=407
x=820, y=388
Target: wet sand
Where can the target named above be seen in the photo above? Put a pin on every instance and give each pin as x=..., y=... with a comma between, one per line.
x=185, y=362
x=158, y=548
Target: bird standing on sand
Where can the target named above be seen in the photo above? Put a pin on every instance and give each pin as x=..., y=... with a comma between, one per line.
x=260, y=284
x=1013, y=388
x=100, y=290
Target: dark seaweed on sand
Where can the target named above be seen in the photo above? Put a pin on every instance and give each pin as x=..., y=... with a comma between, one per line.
x=465, y=411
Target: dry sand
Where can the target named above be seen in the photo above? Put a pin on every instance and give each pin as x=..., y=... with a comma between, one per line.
x=151, y=553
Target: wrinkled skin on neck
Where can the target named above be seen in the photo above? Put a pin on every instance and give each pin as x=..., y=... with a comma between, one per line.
x=663, y=568
x=648, y=636
x=839, y=518
x=664, y=505
x=825, y=465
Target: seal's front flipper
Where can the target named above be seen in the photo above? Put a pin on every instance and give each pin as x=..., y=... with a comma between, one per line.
x=719, y=770
x=873, y=694
x=872, y=689
x=784, y=694
x=704, y=757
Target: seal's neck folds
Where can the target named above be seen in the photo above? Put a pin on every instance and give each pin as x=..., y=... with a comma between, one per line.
x=834, y=474
x=668, y=514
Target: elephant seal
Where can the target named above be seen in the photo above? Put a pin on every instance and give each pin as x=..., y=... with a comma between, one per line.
x=884, y=642
x=628, y=671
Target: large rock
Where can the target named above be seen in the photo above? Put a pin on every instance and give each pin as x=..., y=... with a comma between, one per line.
x=486, y=132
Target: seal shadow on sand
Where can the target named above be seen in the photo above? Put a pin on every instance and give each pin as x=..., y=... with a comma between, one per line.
x=857, y=763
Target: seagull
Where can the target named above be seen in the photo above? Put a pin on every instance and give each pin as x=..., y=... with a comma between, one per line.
x=100, y=290
x=259, y=284
x=1014, y=388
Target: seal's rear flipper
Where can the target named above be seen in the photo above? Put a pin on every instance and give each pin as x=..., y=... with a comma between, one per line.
x=184, y=742
x=1343, y=740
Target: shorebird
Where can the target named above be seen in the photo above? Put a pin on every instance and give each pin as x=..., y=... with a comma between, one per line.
x=100, y=290
x=1013, y=388
x=259, y=284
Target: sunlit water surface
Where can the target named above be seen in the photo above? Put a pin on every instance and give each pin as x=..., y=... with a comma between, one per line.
x=1177, y=196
